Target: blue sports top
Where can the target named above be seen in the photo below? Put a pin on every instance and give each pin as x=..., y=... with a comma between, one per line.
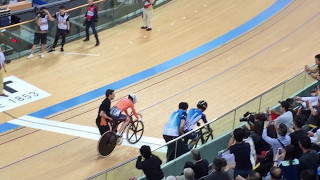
x=173, y=125
x=194, y=115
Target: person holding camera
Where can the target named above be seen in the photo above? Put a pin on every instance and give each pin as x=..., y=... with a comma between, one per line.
x=281, y=141
x=63, y=27
x=41, y=31
x=289, y=165
x=91, y=17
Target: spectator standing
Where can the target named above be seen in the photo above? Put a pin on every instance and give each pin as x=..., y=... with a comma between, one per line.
x=91, y=17
x=241, y=151
x=63, y=27
x=41, y=31
x=2, y=69
x=151, y=165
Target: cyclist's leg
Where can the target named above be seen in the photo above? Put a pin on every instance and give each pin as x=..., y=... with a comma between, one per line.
x=194, y=137
x=126, y=120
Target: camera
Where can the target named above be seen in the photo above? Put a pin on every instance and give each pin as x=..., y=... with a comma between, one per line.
x=248, y=117
x=42, y=13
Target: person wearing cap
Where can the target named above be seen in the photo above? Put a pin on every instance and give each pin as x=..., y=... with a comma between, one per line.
x=286, y=117
x=151, y=165
x=314, y=72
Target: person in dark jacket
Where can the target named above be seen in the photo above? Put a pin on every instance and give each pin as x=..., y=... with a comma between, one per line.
x=151, y=165
x=91, y=17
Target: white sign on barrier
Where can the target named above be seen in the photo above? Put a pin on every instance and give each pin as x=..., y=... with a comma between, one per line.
x=20, y=93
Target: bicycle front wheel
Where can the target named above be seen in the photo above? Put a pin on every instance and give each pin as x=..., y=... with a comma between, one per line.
x=135, y=131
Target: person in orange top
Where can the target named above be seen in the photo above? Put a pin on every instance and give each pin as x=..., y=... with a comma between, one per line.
x=122, y=106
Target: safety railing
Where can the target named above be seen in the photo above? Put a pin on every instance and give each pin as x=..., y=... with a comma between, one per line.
x=220, y=126
x=16, y=40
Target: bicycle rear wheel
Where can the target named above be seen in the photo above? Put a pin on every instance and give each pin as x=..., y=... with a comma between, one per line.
x=107, y=143
x=135, y=131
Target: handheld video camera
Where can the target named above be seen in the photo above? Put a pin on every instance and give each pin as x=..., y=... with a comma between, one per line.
x=248, y=117
x=42, y=13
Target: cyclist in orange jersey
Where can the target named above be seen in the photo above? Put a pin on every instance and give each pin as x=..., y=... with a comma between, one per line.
x=122, y=106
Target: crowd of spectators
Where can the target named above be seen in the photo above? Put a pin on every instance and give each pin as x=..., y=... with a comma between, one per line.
x=275, y=145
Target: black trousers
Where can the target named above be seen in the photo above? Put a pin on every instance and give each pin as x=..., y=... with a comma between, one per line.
x=102, y=129
x=91, y=24
x=62, y=33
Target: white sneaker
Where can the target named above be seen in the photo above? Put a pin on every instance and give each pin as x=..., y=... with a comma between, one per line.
x=30, y=56
x=119, y=141
x=42, y=55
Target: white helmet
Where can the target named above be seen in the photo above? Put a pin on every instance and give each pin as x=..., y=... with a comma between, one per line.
x=134, y=98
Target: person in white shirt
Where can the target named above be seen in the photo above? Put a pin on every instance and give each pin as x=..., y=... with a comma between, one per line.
x=2, y=68
x=41, y=31
x=286, y=117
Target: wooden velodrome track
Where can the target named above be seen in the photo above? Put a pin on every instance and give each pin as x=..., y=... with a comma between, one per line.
x=226, y=77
